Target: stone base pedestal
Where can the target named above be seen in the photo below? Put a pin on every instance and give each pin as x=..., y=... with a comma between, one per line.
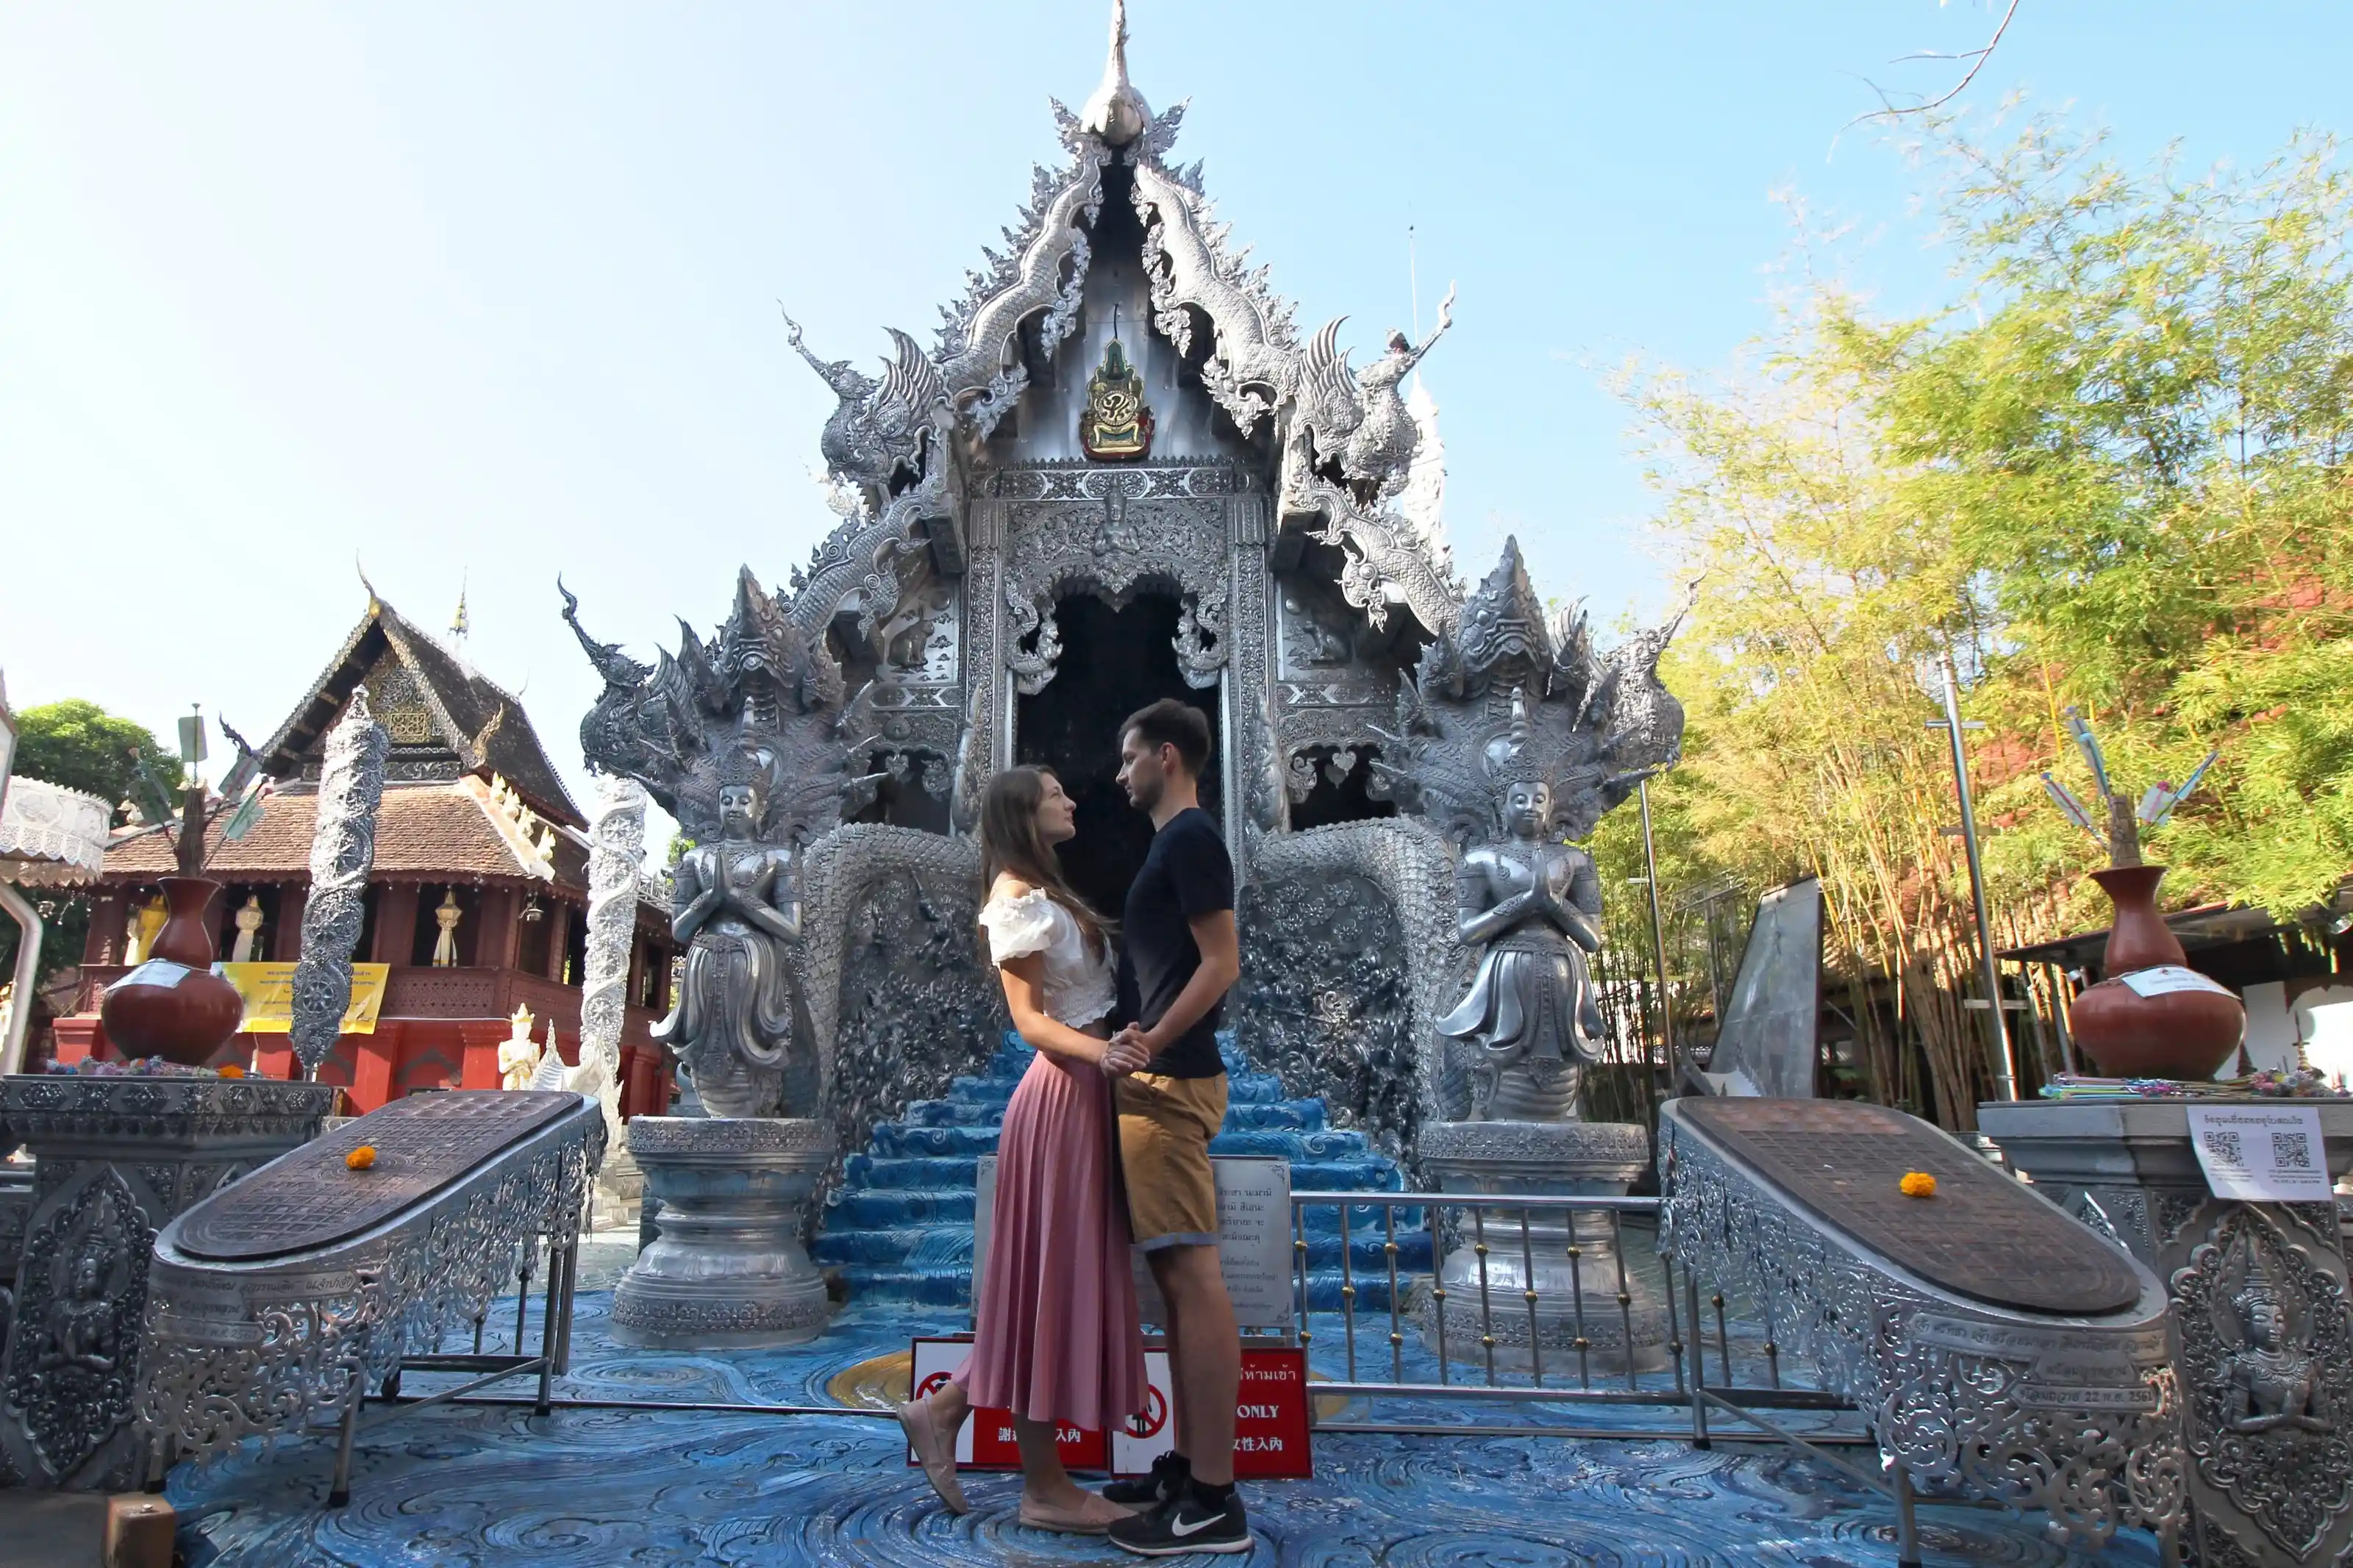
x=115, y=1159
x=728, y=1270
x=1564, y=1258
x=2261, y=1316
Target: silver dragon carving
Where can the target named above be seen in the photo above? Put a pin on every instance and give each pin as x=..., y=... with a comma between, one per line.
x=342, y=852
x=879, y=429
x=2079, y=1419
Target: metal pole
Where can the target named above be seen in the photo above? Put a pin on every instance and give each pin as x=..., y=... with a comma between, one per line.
x=2005, y=1069
x=1658, y=932
x=28, y=969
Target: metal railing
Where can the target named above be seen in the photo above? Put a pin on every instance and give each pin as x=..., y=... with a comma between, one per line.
x=1597, y=1347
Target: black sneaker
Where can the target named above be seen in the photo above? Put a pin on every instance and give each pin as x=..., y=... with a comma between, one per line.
x=1185, y=1525
x=1170, y=1474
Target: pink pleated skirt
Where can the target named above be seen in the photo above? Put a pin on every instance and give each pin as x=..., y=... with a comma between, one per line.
x=1056, y=1336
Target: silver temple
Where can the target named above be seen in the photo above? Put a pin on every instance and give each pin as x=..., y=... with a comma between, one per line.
x=1120, y=472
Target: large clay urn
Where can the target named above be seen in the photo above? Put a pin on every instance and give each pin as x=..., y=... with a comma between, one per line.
x=2182, y=1033
x=173, y=1005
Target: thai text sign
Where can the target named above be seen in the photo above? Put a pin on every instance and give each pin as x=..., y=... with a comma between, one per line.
x=2262, y=1153
x=269, y=993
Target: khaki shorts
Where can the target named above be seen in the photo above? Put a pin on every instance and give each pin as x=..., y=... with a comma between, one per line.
x=1165, y=1128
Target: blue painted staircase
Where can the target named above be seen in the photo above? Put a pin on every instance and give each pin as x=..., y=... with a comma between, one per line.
x=899, y=1228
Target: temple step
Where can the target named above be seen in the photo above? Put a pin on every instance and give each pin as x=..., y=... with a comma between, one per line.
x=899, y=1227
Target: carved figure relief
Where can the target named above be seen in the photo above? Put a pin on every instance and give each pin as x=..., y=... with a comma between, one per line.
x=1325, y=1004
x=81, y=1283
x=917, y=1006
x=2267, y=1358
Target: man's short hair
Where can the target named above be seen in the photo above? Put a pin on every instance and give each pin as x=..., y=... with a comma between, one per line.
x=1172, y=722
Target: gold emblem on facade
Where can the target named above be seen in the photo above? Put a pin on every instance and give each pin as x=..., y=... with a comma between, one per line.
x=1116, y=426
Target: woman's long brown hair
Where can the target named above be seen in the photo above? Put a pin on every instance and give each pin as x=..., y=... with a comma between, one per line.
x=1011, y=844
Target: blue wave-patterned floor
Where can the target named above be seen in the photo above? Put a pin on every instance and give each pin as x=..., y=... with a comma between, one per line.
x=476, y=1488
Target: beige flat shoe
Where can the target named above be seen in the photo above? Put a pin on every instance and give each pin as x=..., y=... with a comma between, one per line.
x=1063, y=1523
x=936, y=1454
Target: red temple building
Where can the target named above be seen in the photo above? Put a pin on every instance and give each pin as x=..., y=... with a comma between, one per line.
x=475, y=818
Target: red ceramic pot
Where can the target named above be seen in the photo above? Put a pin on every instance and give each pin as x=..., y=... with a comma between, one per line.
x=2181, y=1034
x=173, y=1005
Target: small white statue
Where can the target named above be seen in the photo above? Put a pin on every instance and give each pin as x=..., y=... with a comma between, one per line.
x=518, y=1057
x=444, y=946
x=248, y=930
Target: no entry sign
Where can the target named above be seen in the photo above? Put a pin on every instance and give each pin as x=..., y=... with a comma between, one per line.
x=1271, y=1426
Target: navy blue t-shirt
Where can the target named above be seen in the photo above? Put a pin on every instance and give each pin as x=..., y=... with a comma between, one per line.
x=1185, y=873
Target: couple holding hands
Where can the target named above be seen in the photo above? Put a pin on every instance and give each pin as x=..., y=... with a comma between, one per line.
x=1106, y=1146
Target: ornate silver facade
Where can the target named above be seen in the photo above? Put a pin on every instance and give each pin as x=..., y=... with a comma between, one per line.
x=343, y=851
x=1262, y=514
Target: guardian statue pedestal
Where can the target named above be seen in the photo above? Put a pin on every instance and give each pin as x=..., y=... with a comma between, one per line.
x=728, y=1270
x=1592, y=1310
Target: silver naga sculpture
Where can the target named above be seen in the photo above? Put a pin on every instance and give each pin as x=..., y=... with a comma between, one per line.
x=1513, y=739
x=342, y=852
x=617, y=844
x=746, y=740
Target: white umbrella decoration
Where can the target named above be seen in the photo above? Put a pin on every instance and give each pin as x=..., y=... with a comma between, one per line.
x=50, y=837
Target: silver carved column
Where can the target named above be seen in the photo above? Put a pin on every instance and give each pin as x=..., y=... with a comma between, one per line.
x=342, y=852
x=2262, y=1331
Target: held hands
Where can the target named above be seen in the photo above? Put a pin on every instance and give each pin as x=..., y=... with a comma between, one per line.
x=1127, y=1052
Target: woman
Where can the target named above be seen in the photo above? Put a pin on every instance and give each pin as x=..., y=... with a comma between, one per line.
x=1057, y=1337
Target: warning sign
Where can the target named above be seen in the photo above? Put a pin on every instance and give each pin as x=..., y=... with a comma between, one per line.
x=1270, y=1428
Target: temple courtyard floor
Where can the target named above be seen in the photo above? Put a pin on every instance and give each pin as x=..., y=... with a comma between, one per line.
x=487, y=1486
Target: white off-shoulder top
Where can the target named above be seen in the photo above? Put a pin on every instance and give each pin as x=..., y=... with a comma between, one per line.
x=1080, y=988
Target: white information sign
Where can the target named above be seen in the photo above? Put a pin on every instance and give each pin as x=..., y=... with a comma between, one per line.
x=2170, y=977
x=2262, y=1153
x=1253, y=1239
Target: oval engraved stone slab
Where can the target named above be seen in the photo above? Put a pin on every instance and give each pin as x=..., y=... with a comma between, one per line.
x=309, y=1198
x=1983, y=1236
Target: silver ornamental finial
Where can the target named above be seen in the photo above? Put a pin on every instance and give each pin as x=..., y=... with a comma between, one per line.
x=1117, y=112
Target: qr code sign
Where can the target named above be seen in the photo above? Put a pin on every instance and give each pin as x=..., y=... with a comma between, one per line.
x=2292, y=1151
x=2225, y=1147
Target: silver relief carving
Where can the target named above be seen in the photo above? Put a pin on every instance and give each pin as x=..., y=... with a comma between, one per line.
x=75, y=1358
x=2267, y=1358
x=1116, y=547
x=342, y=852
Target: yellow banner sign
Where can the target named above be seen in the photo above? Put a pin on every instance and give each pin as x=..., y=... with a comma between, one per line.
x=269, y=993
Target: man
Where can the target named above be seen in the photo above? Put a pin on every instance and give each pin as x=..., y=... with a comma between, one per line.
x=1179, y=959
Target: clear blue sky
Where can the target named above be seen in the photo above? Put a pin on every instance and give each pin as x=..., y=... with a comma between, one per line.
x=488, y=290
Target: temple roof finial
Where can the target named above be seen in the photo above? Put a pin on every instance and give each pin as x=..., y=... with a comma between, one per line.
x=1117, y=112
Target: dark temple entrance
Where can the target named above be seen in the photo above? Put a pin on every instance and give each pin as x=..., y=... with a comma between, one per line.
x=1113, y=663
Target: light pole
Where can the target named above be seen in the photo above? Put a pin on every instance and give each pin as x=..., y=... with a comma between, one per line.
x=1658, y=929
x=2005, y=1069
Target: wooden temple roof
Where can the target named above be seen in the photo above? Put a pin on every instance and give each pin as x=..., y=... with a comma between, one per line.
x=456, y=832
x=445, y=719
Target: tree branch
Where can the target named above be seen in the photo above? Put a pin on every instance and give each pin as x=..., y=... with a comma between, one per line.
x=1977, y=58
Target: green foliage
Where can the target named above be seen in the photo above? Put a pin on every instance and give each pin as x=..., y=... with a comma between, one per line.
x=77, y=745
x=2112, y=474
x=80, y=745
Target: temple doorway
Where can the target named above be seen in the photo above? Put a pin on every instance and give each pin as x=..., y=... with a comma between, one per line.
x=1113, y=662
